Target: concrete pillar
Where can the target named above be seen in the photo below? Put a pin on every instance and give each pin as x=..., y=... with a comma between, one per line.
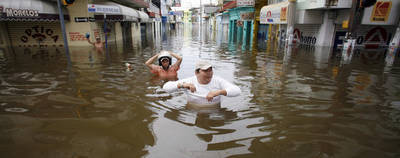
x=269, y=35
x=4, y=40
x=253, y=32
x=393, y=48
x=118, y=36
x=244, y=39
x=326, y=31
x=133, y=32
x=239, y=34
x=291, y=18
x=79, y=9
x=230, y=30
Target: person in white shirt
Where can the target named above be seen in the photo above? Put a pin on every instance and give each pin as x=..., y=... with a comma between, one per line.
x=204, y=88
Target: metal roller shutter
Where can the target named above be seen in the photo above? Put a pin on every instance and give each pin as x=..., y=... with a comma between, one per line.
x=110, y=34
x=308, y=33
x=35, y=34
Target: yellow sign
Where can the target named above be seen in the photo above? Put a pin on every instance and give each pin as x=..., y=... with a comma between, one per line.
x=345, y=24
x=381, y=11
x=283, y=13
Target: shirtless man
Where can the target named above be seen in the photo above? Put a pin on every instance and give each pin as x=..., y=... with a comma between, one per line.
x=165, y=68
x=98, y=44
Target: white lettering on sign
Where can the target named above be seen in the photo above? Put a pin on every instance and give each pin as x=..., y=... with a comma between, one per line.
x=245, y=2
x=21, y=13
x=97, y=8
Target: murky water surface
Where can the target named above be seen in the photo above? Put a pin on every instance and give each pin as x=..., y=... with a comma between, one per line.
x=295, y=102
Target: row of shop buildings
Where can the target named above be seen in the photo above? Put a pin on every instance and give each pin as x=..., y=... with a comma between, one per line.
x=36, y=23
x=313, y=23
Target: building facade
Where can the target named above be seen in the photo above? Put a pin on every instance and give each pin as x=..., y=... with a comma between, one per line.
x=310, y=28
x=35, y=23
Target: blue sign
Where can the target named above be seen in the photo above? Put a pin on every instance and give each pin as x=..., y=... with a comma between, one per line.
x=92, y=9
x=270, y=20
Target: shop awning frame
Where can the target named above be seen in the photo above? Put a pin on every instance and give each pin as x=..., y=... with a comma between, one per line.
x=114, y=9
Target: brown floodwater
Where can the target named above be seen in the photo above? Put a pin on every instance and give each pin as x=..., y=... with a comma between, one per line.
x=295, y=102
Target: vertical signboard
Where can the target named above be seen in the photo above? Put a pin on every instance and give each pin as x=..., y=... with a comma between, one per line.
x=283, y=13
x=384, y=12
x=381, y=11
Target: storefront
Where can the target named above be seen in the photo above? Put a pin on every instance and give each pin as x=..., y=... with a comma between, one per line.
x=123, y=24
x=274, y=16
x=30, y=24
x=241, y=22
x=378, y=26
x=313, y=26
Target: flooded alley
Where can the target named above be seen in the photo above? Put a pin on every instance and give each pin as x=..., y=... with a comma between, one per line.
x=295, y=101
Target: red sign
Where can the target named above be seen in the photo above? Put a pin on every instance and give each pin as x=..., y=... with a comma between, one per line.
x=375, y=37
x=269, y=14
x=283, y=13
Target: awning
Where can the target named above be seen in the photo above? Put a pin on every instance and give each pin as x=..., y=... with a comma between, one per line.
x=229, y=5
x=129, y=13
x=143, y=16
x=110, y=8
x=29, y=10
x=274, y=14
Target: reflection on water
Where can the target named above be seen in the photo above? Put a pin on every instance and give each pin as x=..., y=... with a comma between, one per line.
x=297, y=101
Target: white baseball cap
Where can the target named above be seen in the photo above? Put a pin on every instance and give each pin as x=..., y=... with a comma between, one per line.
x=203, y=65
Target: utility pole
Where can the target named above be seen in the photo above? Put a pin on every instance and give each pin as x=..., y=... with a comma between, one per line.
x=61, y=15
x=349, y=42
x=290, y=18
x=201, y=21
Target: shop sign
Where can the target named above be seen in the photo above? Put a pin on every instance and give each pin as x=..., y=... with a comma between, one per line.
x=375, y=37
x=245, y=3
x=274, y=14
x=298, y=36
x=81, y=19
x=381, y=11
x=92, y=19
x=10, y=12
x=97, y=8
x=247, y=16
x=39, y=33
x=283, y=13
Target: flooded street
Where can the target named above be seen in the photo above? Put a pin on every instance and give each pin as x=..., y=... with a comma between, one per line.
x=295, y=102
